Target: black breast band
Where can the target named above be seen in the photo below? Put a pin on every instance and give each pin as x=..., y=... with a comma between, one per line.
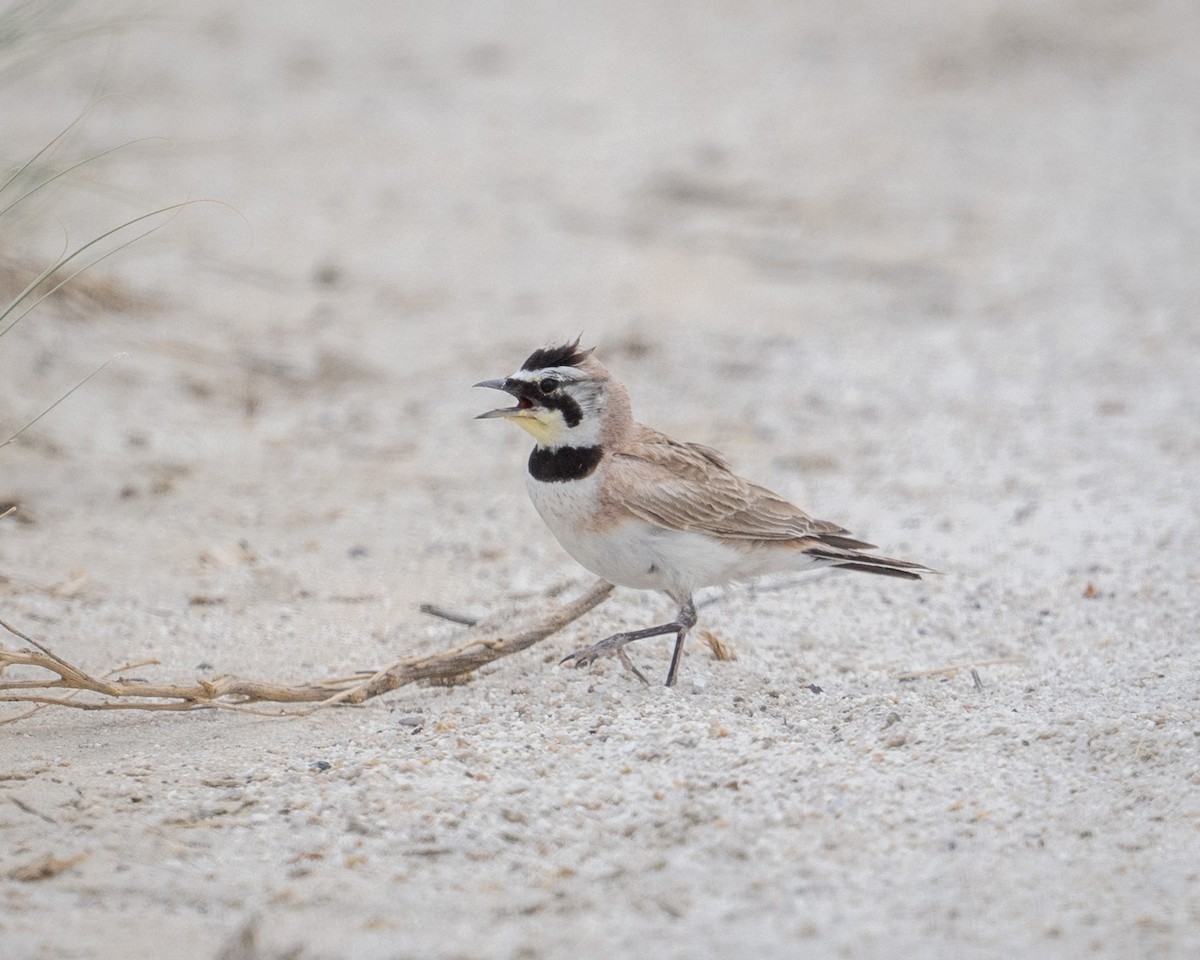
x=553, y=465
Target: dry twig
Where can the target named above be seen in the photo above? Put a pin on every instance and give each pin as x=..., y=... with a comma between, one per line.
x=48, y=866
x=433, y=610
x=954, y=668
x=490, y=639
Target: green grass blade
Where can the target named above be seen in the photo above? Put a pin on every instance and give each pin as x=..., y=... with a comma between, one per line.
x=46, y=149
x=75, y=166
x=16, y=435
x=62, y=261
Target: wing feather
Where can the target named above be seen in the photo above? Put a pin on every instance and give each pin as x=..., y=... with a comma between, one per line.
x=687, y=486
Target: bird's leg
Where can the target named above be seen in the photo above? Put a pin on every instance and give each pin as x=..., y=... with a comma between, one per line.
x=614, y=645
x=686, y=618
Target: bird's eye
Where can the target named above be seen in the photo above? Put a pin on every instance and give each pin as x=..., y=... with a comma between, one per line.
x=547, y=385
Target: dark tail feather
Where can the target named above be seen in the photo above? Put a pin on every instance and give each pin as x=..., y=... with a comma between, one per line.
x=865, y=563
x=845, y=543
x=883, y=571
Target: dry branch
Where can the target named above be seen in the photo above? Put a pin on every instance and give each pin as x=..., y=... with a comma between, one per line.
x=490, y=639
x=954, y=668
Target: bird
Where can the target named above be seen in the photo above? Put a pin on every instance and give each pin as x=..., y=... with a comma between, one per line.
x=642, y=510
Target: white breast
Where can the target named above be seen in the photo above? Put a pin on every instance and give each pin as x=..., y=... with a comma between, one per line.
x=642, y=555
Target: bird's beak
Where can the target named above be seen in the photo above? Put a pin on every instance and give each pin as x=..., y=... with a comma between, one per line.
x=508, y=386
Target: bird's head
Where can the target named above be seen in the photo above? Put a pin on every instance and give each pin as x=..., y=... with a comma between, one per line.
x=564, y=397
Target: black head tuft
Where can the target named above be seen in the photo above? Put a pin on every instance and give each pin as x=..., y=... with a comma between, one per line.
x=566, y=355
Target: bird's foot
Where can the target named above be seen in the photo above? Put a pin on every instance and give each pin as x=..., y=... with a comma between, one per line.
x=613, y=646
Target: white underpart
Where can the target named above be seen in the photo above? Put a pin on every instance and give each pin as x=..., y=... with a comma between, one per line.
x=646, y=556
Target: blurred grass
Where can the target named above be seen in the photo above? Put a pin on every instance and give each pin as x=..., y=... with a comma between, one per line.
x=32, y=32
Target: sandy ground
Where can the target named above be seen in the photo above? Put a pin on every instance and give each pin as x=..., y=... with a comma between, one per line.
x=929, y=271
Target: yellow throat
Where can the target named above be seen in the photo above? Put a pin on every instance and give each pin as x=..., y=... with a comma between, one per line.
x=545, y=426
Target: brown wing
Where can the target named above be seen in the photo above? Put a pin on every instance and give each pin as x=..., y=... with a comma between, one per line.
x=686, y=486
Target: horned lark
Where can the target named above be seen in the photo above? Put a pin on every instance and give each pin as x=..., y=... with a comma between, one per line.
x=642, y=510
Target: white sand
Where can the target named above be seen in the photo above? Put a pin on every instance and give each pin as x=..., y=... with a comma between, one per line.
x=933, y=273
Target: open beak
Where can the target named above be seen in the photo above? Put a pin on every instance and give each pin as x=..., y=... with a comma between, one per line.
x=508, y=386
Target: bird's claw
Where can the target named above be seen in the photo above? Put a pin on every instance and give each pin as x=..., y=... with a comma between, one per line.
x=629, y=665
x=605, y=648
